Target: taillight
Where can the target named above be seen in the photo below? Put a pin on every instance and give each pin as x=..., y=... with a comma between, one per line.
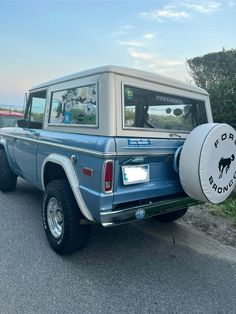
x=108, y=176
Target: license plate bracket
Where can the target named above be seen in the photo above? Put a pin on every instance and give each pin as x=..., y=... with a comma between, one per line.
x=133, y=174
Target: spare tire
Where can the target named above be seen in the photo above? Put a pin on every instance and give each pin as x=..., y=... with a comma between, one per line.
x=207, y=166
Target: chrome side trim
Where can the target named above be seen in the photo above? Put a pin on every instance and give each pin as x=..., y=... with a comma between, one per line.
x=89, y=151
x=144, y=153
x=122, y=216
x=80, y=150
x=5, y=134
x=72, y=148
x=66, y=164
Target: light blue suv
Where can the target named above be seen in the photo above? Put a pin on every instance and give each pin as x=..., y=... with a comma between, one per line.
x=104, y=146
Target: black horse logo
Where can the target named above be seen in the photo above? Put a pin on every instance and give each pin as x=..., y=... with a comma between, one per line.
x=224, y=163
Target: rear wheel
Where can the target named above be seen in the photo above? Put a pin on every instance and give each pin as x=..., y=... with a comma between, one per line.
x=7, y=177
x=61, y=219
x=168, y=217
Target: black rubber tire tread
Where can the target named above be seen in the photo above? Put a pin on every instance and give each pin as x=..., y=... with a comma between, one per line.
x=75, y=236
x=8, y=179
x=172, y=216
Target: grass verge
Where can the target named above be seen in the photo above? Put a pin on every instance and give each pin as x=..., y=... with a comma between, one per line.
x=227, y=208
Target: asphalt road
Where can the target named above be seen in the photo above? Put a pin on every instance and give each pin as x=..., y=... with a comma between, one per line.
x=138, y=268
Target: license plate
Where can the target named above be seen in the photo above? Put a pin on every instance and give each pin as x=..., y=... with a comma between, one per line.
x=135, y=174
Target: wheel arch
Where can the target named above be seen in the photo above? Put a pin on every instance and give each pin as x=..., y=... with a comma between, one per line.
x=65, y=169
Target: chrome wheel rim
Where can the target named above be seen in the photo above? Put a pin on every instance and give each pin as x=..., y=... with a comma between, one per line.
x=55, y=217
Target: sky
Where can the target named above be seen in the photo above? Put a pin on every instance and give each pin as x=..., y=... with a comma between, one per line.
x=43, y=40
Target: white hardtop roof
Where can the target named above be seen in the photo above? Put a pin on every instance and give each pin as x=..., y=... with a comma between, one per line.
x=147, y=76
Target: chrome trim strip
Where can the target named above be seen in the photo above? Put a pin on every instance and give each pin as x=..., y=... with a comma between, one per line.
x=74, y=125
x=89, y=151
x=137, y=147
x=5, y=134
x=143, y=153
x=80, y=150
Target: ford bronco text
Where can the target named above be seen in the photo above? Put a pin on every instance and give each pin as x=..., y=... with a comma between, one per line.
x=114, y=145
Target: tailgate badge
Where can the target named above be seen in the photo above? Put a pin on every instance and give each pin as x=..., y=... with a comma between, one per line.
x=140, y=214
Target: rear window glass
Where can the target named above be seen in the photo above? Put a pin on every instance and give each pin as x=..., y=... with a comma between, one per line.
x=74, y=106
x=154, y=110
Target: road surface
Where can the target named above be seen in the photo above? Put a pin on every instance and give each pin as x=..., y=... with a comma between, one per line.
x=143, y=267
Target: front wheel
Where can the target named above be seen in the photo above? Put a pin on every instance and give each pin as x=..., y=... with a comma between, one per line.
x=61, y=219
x=168, y=217
x=7, y=178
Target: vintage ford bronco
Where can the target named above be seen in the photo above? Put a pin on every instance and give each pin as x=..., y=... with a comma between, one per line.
x=114, y=145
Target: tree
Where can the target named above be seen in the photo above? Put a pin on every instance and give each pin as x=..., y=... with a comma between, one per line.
x=216, y=73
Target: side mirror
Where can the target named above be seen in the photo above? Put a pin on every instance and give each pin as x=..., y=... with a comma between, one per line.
x=29, y=125
x=22, y=123
x=35, y=125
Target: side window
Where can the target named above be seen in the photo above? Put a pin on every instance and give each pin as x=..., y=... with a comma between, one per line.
x=35, y=107
x=74, y=106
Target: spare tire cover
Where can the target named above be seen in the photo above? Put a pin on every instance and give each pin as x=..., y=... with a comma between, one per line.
x=207, y=166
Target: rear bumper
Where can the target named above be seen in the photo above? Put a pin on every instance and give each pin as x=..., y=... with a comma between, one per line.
x=118, y=217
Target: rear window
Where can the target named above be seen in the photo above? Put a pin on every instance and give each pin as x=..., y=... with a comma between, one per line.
x=148, y=109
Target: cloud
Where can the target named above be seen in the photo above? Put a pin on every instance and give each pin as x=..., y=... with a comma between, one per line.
x=168, y=13
x=142, y=42
x=149, y=61
x=162, y=65
x=167, y=62
x=123, y=30
x=132, y=43
x=204, y=8
x=231, y=3
x=136, y=54
x=184, y=10
x=154, y=60
x=149, y=36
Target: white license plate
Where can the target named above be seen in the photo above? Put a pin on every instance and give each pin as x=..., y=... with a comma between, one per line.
x=135, y=174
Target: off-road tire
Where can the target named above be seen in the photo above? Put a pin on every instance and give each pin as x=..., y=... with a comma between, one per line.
x=7, y=178
x=74, y=236
x=172, y=216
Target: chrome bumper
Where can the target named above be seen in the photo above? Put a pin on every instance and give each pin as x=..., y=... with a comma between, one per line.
x=118, y=217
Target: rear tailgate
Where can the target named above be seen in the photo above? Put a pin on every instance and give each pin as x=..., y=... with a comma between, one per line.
x=158, y=154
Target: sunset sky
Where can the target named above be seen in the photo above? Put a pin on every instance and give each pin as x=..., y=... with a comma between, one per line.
x=42, y=40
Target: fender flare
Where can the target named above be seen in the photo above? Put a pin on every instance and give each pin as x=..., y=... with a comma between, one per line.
x=2, y=142
x=67, y=166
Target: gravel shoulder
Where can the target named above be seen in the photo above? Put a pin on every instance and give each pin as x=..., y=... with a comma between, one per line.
x=219, y=227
